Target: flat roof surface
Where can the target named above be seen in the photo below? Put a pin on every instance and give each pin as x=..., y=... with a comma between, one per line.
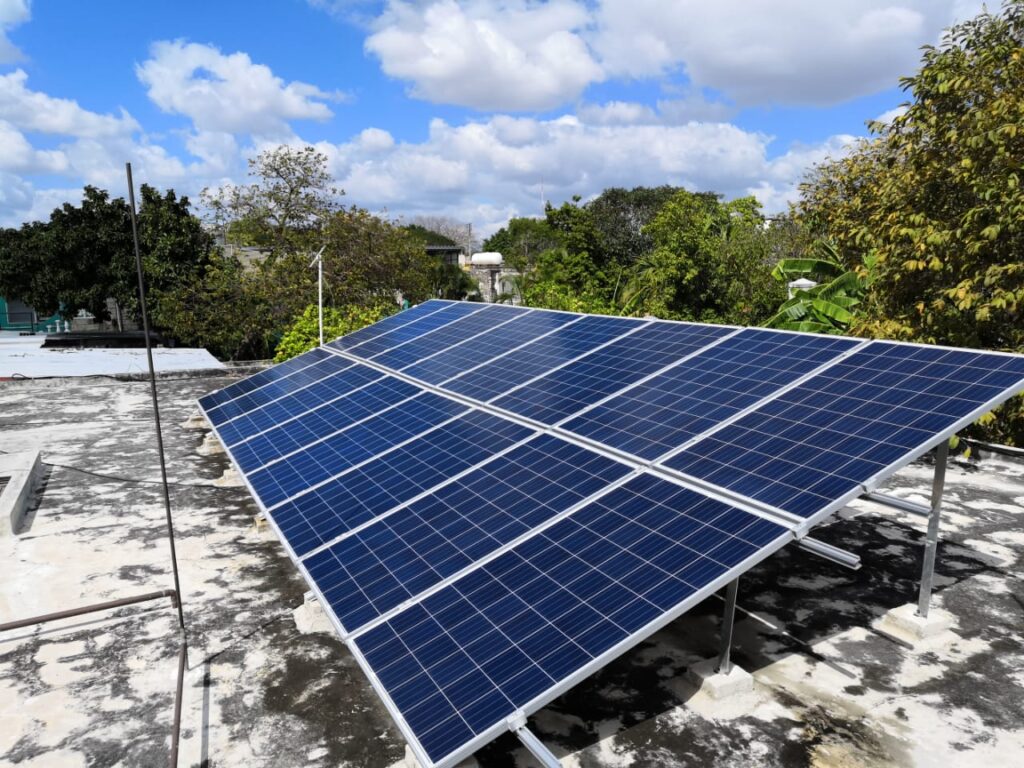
x=23, y=356
x=98, y=690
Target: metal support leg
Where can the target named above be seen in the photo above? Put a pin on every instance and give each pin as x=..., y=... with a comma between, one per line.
x=932, y=540
x=724, y=662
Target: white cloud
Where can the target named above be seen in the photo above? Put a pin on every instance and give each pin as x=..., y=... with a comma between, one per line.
x=227, y=93
x=34, y=111
x=513, y=55
x=12, y=13
x=487, y=54
x=19, y=155
x=489, y=169
x=790, y=51
x=891, y=114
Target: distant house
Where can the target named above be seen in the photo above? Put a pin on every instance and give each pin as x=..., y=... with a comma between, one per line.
x=449, y=254
x=16, y=315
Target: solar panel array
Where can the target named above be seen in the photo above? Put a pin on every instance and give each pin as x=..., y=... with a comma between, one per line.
x=492, y=502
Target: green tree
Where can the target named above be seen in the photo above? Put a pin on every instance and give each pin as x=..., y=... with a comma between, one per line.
x=830, y=305
x=711, y=262
x=936, y=194
x=522, y=240
x=286, y=208
x=84, y=254
x=304, y=334
x=621, y=218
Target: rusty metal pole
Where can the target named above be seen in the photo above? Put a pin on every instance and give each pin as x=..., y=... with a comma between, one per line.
x=156, y=404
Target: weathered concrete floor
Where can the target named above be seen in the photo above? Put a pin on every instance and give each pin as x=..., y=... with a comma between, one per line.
x=98, y=690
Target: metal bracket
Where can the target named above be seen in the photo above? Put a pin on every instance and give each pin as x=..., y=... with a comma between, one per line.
x=830, y=553
x=536, y=747
x=724, y=661
x=932, y=538
x=903, y=505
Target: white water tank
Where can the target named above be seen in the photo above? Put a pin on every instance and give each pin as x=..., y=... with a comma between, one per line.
x=486, y=259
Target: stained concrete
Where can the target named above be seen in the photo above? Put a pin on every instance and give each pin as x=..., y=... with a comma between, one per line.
x=828, y=689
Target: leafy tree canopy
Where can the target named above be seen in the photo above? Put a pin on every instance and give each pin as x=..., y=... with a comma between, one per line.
x=936, y=197
x=285, y=209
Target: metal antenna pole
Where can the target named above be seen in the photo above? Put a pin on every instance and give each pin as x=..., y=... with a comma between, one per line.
x=156, y=405
x=319, y=259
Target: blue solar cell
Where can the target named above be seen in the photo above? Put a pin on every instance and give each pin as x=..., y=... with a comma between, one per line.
x=366, y=492
x=816, y=443
x=566, y=390
x=318, y=462
x=490, y=317
x=459, y=359
x=295, y=434
x=416, y=547
x=396, y=320
x=503, y=373
x=214, y=401
x=476, y=651
x=332, y=384
x=661, y=414
x=385, y=341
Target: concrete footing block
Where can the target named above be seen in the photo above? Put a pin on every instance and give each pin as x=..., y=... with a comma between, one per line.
x=905, y=624
x=310, y=617
x=20, y=473
x=211, y=446
x=195, y=421
x=230, y=479
x=718, y=685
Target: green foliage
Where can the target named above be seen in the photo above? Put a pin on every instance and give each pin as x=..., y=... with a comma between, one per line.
x=304, y=334
x=427, y=236
x=621, y=218
x=829, y=306
x=710, y=262
x=285, y=209
x=522, y=240
x=84, y=254
x=936, y=194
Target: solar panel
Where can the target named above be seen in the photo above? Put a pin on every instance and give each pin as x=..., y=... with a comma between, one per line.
x=466, y=356
x=396, y=320
x=539, y=357
x=318, y=462
x=519, y=629
x=213, y=403
x=290, y=435
x=445, y=480
x=590, y=378
x=658, y=415
x=487, y=319
x=410, y=331
x=807, y=449
x=303, y=398
x=414, y=548
x=367, y=491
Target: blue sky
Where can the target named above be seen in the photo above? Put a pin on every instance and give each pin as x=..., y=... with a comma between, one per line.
x=470, y=110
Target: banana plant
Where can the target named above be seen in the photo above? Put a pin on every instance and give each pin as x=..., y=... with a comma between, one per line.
x=829, y=306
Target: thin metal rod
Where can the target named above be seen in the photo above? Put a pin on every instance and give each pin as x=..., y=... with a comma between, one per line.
x=320, y=292
x=156, y=404
x=47, y=617
x=724, y=660
x=932, y=540
x=176, y=727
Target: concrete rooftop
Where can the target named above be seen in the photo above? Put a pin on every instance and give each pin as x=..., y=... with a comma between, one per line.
x=829, y=690
x=24, y=357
